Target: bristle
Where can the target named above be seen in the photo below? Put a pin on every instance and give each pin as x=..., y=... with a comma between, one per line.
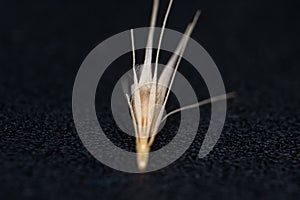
x=132, y=115
x=133, y=60
x=201, y=103
x=161, y=37
x=166, y=75
x=146, y=74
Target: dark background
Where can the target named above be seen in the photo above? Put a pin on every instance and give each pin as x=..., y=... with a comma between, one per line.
x=255, y=45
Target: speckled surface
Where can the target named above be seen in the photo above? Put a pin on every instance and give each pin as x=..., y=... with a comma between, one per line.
x=254, y=44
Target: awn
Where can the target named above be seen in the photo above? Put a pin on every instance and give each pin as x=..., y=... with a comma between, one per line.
x=148, y=94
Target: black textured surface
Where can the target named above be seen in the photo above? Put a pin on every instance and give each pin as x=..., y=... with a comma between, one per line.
x=253, y=42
